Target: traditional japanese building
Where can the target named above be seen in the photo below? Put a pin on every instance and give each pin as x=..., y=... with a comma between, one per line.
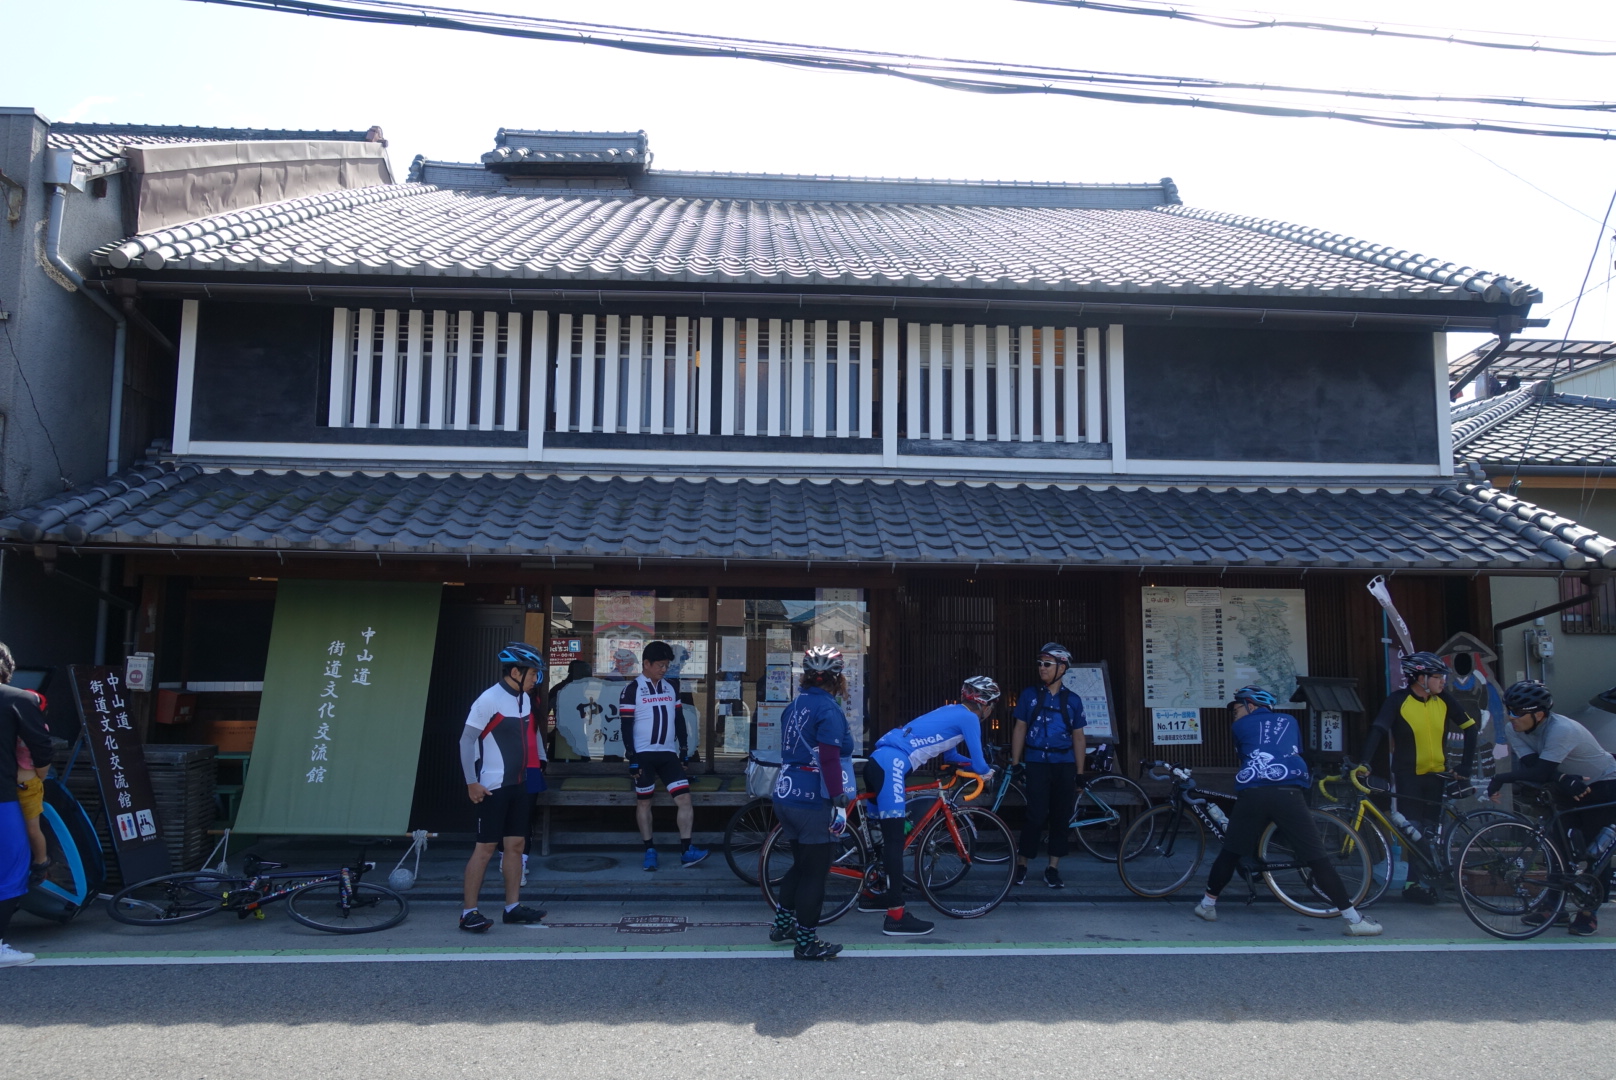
x=567, y=396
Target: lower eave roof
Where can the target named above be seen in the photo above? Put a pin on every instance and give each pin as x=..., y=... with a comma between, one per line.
x=1463, y=526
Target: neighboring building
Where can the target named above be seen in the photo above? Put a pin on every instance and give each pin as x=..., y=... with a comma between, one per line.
x=1559, y=450
x=590, y=401
x=1577, y=367
x=59, y=351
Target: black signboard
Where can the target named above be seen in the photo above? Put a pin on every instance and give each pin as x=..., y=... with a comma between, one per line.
x=120, y=766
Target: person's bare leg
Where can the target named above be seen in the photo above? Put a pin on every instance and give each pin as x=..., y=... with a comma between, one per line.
x=36, y=841
x=513, y=868
x=1054, y=861
x=476, y=867
x=686, y=815
x=642, y=815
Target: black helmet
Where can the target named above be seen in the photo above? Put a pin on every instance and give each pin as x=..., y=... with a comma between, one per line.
x=1526, y=696
x=822, y=660
x=1423, y=663
x=521, y=654
x=1056, y=651
x=655, y=651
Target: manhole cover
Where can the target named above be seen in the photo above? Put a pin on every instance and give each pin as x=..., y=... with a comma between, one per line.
x=580, y=864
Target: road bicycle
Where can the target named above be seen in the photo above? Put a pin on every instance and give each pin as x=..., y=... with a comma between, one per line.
x=1175, y=844
x=963, y=856
x=1516, y=877
x=336, y=901
x=1107, y=805
x=1434, y=856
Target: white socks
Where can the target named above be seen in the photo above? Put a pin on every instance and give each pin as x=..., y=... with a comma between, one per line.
x=1209, y=901
x=513, y=907
x=1352, y=915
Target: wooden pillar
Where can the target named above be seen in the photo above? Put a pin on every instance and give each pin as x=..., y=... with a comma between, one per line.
x=148, y=632
x=1129, y=683
x=884, y=632
x=709, y=720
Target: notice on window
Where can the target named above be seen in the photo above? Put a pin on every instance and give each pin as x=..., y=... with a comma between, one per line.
x=1176, y=726
x=777, y=686
x=621, y=608
x=768, y=731
x=1090, y=683
x=732, y=653
x=779, y=646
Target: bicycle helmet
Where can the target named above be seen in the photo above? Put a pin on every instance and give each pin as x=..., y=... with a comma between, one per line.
x=1057, y=652
x=822, y=660
x=1526, y=696
x=1423, y=663
x=1255, y=695
x=979, y=689
x=656, y=652
x=521, y=654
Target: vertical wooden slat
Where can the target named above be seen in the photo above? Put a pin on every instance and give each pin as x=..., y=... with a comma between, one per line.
x=437, y=387
x=611, y=374
x=563, y=373
x=844, y=378
x=185, y=375
x=1024, y=382
x=1093, y=414
x=364, y=354
x=866, y=362
x=1114, y=372
x=488, y=376
x=1047, y=390
x=1072, y=354
x=658, y=364
x=538, y=387
x=513, y=371
x=387, y=407
x=707, y=372
x=958, y=361
x=821, y=395
x=774, y=392
x=727, y=389
x=935, y=366
x=912, y=382
x=749, y=376
x=586, y=376
x=412, y=368
x=799, y=374
x=889, y=392
x=681, y=375
x=462, y=398
x=979, y=382
x=635, y=390
x=336, y=414
x=1006, y=398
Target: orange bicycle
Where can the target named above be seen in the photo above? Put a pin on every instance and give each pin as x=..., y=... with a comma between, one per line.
x=963, y=856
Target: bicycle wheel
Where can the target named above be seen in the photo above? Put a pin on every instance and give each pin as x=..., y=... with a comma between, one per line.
x=1014, y=801
x=1173, y=844
x=965, y=872
x=1376, y=845
x=369, y=908
x=173, y=898
x=1106, y=808
x=1296, y=888
x=1458, y=830
x=849, y=861
x=744, y=835
x=1508, y=881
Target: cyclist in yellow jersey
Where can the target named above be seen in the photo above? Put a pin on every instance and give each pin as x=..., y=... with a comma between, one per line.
x=1418, y=719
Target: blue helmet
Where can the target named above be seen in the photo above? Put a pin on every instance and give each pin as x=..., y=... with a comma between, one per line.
x=521, y=654
x=1255, y=695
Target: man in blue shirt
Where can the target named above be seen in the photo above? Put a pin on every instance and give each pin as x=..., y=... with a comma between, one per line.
x=1272, y=782
x=816, y=779
x=886, y=773
x=1049, y=745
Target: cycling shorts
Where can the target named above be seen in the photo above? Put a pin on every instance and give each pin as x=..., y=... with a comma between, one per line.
x=663, y=765
x=886, y=774
x=503, y=812
x=31, y=797
x=804, y=823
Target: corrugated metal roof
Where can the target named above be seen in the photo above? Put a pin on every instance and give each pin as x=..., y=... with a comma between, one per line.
x=929, y=523
x=1537, y=358
x=422, y=230
x=99, y=148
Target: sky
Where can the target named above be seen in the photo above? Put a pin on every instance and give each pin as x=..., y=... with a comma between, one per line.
x=1528, y=207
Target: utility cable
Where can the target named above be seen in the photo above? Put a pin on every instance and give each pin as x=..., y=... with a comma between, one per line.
x=67, y=485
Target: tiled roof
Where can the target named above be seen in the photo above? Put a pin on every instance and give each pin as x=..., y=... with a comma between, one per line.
x=1535, y=430
x=514, y=149
x=424, y=230
x=1475, y=417
x=99, y=148
x=1537, y=358
x=1467, y=526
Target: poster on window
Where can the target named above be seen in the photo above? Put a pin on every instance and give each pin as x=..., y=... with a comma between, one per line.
x=626, y=609
x=617, y=656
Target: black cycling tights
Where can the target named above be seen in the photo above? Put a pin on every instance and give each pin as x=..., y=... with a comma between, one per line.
x=8, y=908
x=802, y=890
x=1324, y=872
x=892, y=840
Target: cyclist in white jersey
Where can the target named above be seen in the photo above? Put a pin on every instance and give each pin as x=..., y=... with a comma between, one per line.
x=655, y=742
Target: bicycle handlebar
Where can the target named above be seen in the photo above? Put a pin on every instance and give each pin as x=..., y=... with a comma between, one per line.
x=974, y=788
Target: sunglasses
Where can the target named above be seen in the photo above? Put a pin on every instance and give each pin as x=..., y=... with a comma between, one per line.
x=1050, y=663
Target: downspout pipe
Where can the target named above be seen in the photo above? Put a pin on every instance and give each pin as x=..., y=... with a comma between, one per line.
x=59, y=177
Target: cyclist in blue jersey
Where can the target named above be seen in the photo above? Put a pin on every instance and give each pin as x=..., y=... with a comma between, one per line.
x=816, y=779
x=902, y=749
x=1273, y=782
x=1048, y=746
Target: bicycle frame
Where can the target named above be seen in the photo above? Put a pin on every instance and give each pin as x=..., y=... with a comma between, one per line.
x=1183, y=784
x=1412, y=849
x=263, y=884
x=938, y=806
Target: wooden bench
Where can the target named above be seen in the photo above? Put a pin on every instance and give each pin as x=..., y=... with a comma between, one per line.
x=579, y=784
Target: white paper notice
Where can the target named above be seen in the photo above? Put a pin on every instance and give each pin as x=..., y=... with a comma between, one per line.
x=1182, y=726
x=733, y=654
x=1088, y=683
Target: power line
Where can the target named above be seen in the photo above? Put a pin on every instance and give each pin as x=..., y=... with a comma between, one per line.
x=973, y=76
x=1481, y=39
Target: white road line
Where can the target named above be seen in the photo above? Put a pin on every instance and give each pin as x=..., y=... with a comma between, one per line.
x=875, y=954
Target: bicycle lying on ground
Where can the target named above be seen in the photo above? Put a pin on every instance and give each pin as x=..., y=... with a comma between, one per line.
x=1433, y=855
x=1515, y=877
x=1107, y=805
x=1166, y=845
x=336, y=901
x=963, y=856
